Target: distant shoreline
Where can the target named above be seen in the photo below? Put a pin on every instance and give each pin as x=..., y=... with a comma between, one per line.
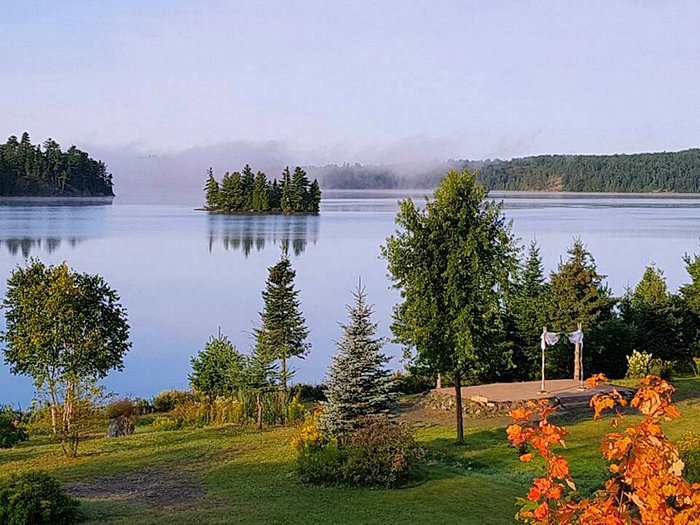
x=56, y=201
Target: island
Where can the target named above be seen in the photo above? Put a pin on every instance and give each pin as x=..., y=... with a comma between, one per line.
x=28, y=170
x=246, y=192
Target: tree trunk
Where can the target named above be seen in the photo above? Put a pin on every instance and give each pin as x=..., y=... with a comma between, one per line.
x=439, y=381
x=259, y=404
x=458, y=396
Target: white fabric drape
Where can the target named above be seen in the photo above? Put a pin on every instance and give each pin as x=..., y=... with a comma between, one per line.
x=576, y=337
x=552, y=338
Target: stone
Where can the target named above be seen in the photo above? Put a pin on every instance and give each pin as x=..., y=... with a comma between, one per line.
x=120, y=426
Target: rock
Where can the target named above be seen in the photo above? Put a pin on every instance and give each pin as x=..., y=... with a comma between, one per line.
x=120, y=426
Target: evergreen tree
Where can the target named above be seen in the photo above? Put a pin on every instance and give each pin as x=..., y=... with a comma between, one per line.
x=578, y=294
x=218, y=370
x=247, y=188
x=527, y=314
x=275, y=196
x=656, y=318
x=261, y=377
x=287, y=198
x=314, y=197
x=232, y=192
x=300, y=190
x=212, y=191
x=260, y=193
x=283, y=330
x=358, y=384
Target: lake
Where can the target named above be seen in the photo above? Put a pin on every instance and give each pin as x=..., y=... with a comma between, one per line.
x=183, y=274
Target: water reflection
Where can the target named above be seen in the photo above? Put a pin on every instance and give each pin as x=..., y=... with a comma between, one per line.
x=246, y=233
x=28, y=245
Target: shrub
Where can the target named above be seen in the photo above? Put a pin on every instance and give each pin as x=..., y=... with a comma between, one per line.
x=295, y=410
x=309, y=393
x=169, y=399
x=119, y=408
x=36, y=498
x=165, y=424
x=12, y=430
x=142, y=406
x=638, y=365
x=410, y=383
x=662, y=369
x=381, y=453
x=689, y=449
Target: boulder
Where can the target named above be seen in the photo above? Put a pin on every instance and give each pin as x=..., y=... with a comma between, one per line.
x=120, y=426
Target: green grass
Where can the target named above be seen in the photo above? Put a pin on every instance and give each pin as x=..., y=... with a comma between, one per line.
x=245, y=476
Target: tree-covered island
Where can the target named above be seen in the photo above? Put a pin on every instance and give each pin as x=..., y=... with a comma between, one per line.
x=246, y=192
x=28, y=170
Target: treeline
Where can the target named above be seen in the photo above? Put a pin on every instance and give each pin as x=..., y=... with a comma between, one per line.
x=644, y=172
x=45, y=170
x=241, y=192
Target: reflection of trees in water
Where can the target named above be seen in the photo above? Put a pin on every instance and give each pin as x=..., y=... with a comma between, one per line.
x=253, y=232
x=27, y=245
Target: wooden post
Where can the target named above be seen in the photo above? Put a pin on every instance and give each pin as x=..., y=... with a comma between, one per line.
x=578, y=373
x=439, y=381
x=543, y=345
x=580, y=358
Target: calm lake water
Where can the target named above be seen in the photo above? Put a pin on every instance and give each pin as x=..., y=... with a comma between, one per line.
x=182, y=273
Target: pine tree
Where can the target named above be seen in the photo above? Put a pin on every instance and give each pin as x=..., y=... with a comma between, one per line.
x=231, y=192
x=526, y=307
x=260, y=198
x=212, y=191
x=286, y=199
x=300, y=190
x=261, y=377
x=283, y=330
x=247, y=188
x=578, y=294
x=314, y=197
x=358, y=385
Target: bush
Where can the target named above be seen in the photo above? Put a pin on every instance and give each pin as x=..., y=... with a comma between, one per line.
x=689, y=449
x=12, y=430
x=410, y=383
x=638, y=365
x=165, y=424
x=36, y=498
x=662, y=369
x=307, y=393
x=381, y=453
x=122, y=407
x=295, y=410
x=142, y=406
x=169, y=399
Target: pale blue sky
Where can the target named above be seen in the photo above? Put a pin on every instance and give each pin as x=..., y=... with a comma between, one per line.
x=330, y=81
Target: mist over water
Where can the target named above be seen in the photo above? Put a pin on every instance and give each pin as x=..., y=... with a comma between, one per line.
x=182, y=273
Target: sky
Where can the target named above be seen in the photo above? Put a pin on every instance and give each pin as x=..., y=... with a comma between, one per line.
x=316, y=82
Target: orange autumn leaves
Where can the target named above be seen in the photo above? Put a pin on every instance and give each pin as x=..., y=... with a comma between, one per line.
x=646, y=484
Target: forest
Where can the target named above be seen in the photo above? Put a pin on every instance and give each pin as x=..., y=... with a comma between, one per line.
x=643, y=172
x=46, y=171
x=246, y=192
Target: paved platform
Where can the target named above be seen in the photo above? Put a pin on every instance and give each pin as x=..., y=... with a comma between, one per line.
x=565, y=391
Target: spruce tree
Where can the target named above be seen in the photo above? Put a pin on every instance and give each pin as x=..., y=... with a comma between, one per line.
x=286, y=199
x=578, y=294
x=247, y=188
x=358, y=384
x=212, y=191
x=260, y=198
x=283, y=330
x=314, y=197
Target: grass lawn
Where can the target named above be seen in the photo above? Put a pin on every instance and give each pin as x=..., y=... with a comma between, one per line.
x=235, y=475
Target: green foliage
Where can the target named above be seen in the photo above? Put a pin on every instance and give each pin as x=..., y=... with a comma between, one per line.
x=121, y=408
x=36, y=498
x=638, y=365
x=169, y=399
x=414, y=382
x=283, y=332
x=245, y=192
x=66, y=330
x=309, y=393
x=165, y=424
x=295, y=409
x=26, y=169
x=661, y=368
x=689, y=449
x=452, y=263
x=218, y=369
x=380, y=453
x=12, y=431
x=358, y=383
x=643, y=172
